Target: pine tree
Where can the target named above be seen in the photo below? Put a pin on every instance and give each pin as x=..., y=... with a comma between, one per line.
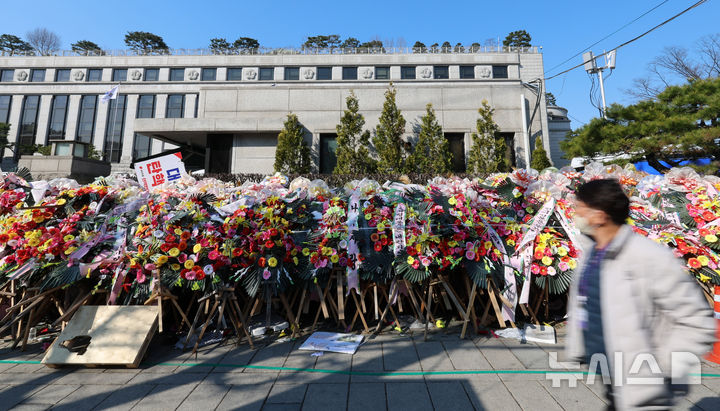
x=432, y=151
x=540, y=159
x=388, y=140
x=292, y=155
x=353, y=156
x=483, y=158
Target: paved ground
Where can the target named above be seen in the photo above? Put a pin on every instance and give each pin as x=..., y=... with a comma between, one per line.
x=217, y=379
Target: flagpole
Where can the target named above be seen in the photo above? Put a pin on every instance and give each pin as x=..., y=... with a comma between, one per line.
x=112, y=132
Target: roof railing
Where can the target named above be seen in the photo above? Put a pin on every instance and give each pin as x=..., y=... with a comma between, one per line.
x=263, y=51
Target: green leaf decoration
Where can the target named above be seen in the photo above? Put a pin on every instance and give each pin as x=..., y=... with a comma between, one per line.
x=61, y=275
x=559, y=283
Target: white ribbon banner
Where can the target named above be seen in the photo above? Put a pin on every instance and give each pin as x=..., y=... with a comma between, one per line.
x=510, y=291
x=399, y=229
x=352, y=248
x=525, y=249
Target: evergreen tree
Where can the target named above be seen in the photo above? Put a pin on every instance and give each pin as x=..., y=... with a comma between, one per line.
x=483, y=158
x=419, y=47
x=432, y=151
x=352, y=153
x=540, y=159
x=292, y=155
x=388, y=140
x=87, y=47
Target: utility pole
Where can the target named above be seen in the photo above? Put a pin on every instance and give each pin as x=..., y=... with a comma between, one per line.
x=592, y=68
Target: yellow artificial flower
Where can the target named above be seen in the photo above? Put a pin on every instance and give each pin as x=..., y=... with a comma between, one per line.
x=68, y=238
x=306, y=252
x=162, y=259
x=703, y=260
x=174, y=252
x=711, y=238
x=296, y=261
x=452, y=201
x=572, y=264
x=61, y=201
x=272, y=262
x=410, y=260
x=178, y=231
x=334, y=258
x=562, y=252
x=70, y=250
x=197, y=248
x=34, y=242
x=189, y=264
x=547, y=260
x=175, y=266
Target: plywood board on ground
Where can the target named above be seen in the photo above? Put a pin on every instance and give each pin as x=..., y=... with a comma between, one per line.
x=120, y=336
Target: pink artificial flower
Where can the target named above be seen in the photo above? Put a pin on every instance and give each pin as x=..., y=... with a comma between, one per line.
x=182, y=258
x=266, y=274
x=213, y=255
x=551, y=271
x=150, y=267
x=190, y=275
x=140, y=277
x=563, y=266
x=470, y=255
x=535, y=269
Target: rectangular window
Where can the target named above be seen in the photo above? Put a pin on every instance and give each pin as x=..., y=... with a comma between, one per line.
x=209, y=74
x=37, y=75
x=62, y=75
x=349, y=73
x=382, y=73
x=86, y=118
x=175, y=106
x=407, y=72
x=467, y=72
x=152, y=74
x=292, y=73
x=28, y=124
x=5, y=108
x=146, y=106
x=114, y=131
x=328, y=147
x=58, y=114
x=324, y=73
x=456, y=145
x=441, y=72
x=119, y=75
x=267, y=73
x=234, y=74
x=500, y=71
x=177, y=74
x=6, y=75
x=142, y=146
x=94, y=75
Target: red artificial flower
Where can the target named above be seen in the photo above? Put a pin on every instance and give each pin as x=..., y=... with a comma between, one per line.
x=378, y=247
x=182, y=246
x=273, y=232
x=269, y=244
x=261, y=262
x=170, y=238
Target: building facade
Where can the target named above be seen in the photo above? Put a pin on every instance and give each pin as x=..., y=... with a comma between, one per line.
x=225, y=111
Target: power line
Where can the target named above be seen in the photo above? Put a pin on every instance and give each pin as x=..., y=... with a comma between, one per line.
x=631, y=40
x=609, y=35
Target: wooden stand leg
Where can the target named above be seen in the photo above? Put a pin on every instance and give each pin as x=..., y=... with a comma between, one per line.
x=493, y=301
x=428, y=308
x=470, y=316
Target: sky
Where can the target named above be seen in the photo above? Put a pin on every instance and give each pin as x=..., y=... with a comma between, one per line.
x=562, y=28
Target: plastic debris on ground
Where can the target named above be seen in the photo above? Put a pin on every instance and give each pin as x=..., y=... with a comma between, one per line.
x=543, y=334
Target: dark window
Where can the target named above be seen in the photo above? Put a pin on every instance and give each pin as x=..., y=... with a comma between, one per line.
x=5, y=108
x=328, y=146
x=37, y=75
x=456, y=143
x=119, y=75
x=175, y=106
x=382, y=73
x=324, y=73
x=114, y=131
x=86, y=119
x=407, y=72
x=28, y=124
x=58, y=114
x=6, y=75
x=267, y=73
x=209, y=74
x=142, y=146
x=292, y=73
x=234, y=74
x=94, y=75
x=146, y=106
x=500, y=72
x=152, y=74
x=441, y=72
x=509, y=147
x=349, y=73
x=62, y=75
x=467, y=71
x=177, y=74
x=197, y=103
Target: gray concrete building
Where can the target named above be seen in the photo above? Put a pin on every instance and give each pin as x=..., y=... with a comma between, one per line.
x=225, y=111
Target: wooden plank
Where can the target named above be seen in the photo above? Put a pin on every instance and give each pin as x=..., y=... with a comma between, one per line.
x=119, y=336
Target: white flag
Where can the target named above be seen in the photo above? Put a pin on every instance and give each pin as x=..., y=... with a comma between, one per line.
x=110, y=95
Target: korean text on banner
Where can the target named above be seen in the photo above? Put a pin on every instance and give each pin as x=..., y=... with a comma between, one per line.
x=159, y=170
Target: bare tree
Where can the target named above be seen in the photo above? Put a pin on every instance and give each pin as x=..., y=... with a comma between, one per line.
x=677, y=65
x=44, y=41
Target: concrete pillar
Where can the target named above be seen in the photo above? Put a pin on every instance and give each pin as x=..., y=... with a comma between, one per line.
x=43, y=119
x=315, y=152
x=14, y=119
x=73, y=116
x=50, y=75
x=190, y=102
x=128, y=131
x=107, y=74
x=161, y=105
x=337, y=73
x=454, y=72
x=164, y=74
x=221, y=74
x=394, y=72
